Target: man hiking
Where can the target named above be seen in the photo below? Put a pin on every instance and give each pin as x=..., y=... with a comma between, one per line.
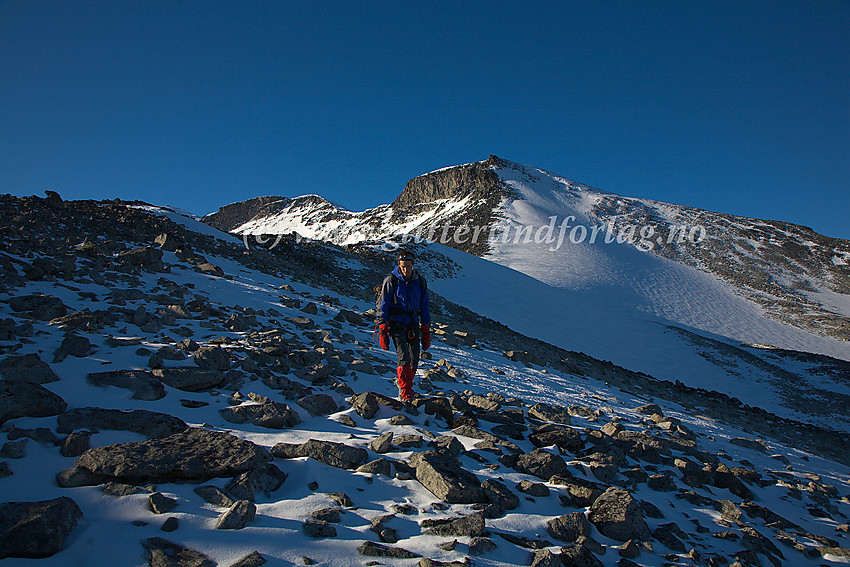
x=404, y=317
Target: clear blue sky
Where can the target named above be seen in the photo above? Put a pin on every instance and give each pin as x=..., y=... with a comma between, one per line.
x=739, y=107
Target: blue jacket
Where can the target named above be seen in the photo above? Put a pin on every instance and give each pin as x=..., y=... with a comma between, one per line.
x=404, y=301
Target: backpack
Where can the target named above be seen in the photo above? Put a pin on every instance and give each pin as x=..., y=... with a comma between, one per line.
x=393, y=283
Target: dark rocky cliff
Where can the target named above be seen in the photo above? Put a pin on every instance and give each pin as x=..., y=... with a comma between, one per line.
x=233, y=215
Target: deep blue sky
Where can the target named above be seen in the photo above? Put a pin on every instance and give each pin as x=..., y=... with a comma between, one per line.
x=738, y=107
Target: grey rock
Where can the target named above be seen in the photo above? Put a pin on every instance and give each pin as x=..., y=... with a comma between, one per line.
x=191, y=455
x=23, y=399
x=443, y=475
x=274, y=415
x=341, y=498
x=367, y=404
x=215, y=496
x=14, y=449
x=163, y=553
x=72, y=345
x=318, y=404
x=149, y=423
x=189, y=379
x=330, y=515
x=569, y=527
x=37, y=529
x=448, y=443
x=336, y=455
x=525, y=542
x=27, y=368
x=536, y=489
x=383, y=443
x=319, y=529
x=264, y=479
x=470, y=526
x=253, y=559
x=372, y=549
x=545, y=558
x=541, y=464
x=481, y=545
x=237, y=517
x=39, y=306
x=499, y=494
x=76, y=444
x=161, y=504
x=5, y=470
x=618, y=515
x=378, y=466
x=579, y=555
x=212, y=357
x=668, y=534
x=147, y=257
x=144, y=385
x=170, y=524
x=554, y=414
x=565, y=438
x=408, y=441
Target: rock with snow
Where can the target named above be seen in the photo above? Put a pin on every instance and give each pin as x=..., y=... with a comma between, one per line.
x=189, y=379
x=443, y=475
x=191, y=455
x=569, y=527
x=27, y=368
x=25, y=399
x=618, y=515
x=39, y=306
x=212, y=357
x=144, y=385
x=469, y=526
x=334, y=454
x=273, y=415
x=237, y=517
x=37, y=529
x=263, y=479
x=145, y=422
x=163, y=553
x=318, y=404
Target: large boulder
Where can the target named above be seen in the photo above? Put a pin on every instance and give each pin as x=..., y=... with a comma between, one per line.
x=149, y=423
x=191, y=455
x=336, y=455
x=466, y=526
x=442, y=474
x=36, y=529
x=565, y=438
x=318, y=404
x=144, y=385
x=569, y=527
x=27, y=368
x=545, y=412
x=273, y=415
x=541, y=464
x=39, y=306
x=24, y=399
x=189, y=379
x=212, y=357
x=618, y=515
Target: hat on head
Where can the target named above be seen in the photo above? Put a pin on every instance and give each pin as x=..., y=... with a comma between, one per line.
x=406, y=255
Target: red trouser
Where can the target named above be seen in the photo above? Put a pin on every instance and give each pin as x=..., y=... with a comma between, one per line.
x=405, y=381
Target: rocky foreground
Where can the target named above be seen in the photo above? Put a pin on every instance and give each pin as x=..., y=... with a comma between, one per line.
x=165, y=391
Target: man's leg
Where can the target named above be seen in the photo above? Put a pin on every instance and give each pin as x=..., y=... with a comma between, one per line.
x=404, y=374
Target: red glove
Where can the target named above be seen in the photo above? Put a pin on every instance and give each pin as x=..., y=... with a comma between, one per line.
x=426, y=337
x=384, y=336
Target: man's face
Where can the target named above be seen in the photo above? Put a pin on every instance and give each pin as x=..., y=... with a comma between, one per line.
x=406, y=268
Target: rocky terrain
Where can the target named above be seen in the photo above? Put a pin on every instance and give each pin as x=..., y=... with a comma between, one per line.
x=169, y=397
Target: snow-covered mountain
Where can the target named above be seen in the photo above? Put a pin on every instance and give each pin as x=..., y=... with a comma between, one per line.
x=171, y=398
x=709, y=299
